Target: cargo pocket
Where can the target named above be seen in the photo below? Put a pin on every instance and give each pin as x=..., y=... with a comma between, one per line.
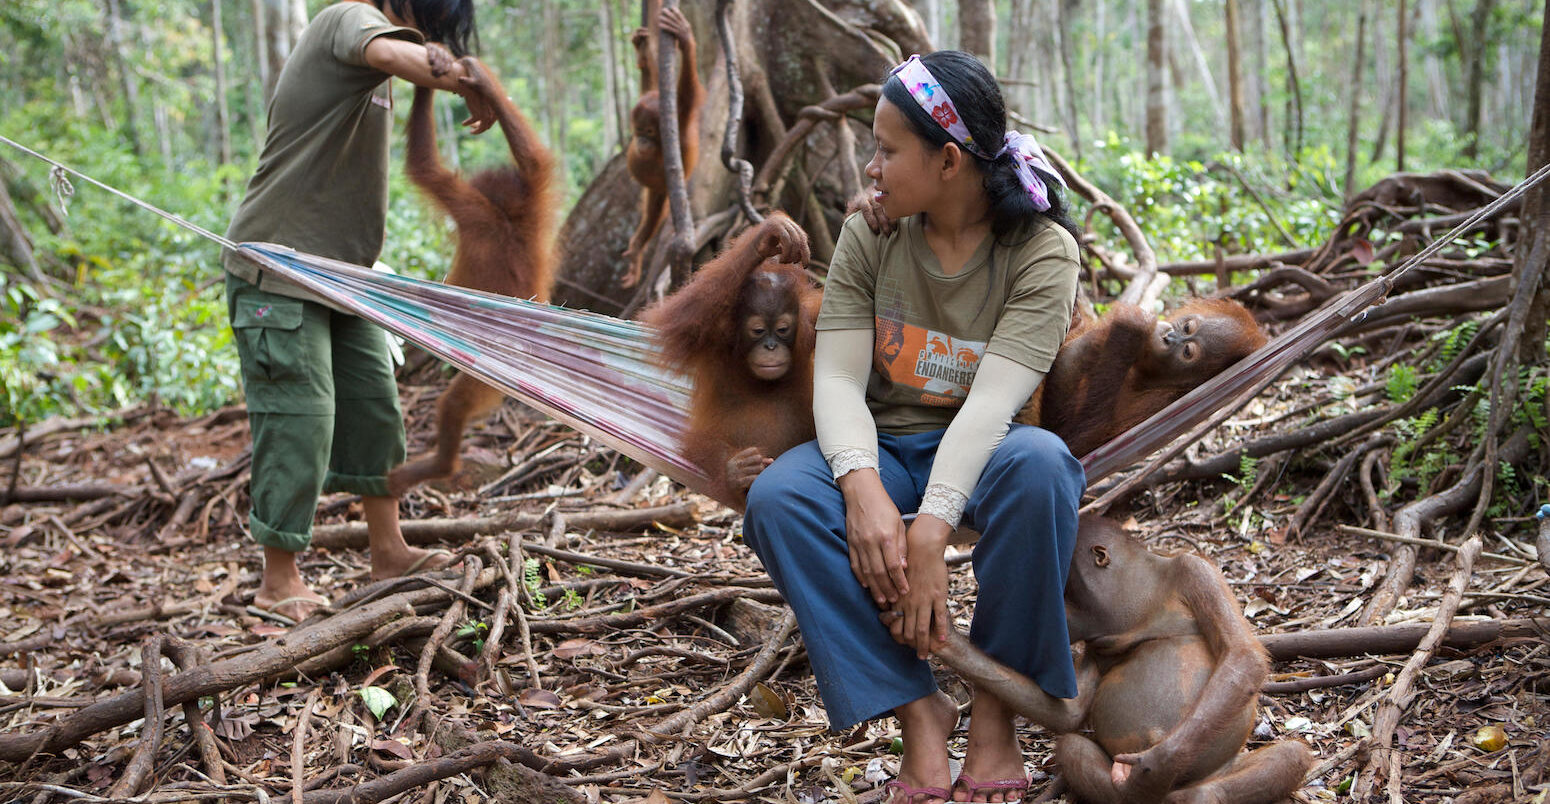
x=269, y=332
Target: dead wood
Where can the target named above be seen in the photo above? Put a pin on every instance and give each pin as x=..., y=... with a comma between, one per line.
x=267, y=661
x=426, y=771
x=1399, y=696
x=353, y=534
x=1379, y=640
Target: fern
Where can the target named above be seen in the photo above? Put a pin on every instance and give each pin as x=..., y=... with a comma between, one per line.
x=533, y=581
x=1401, y=383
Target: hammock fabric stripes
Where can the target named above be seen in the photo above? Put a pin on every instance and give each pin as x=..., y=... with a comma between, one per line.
x=599, y=374
x=592, y=372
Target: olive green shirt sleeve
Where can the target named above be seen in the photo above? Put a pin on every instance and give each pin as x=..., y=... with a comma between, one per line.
x=1038, y=310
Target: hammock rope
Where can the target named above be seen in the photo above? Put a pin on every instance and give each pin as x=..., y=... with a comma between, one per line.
x=600, y=375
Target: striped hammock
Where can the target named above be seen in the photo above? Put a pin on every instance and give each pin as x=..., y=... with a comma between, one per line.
x=592, y=372
x=600, y=374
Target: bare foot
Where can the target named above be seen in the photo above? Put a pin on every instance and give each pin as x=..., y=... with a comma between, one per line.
x=296, y=604
x=409, y=561
x=924, y=725
x=993, y=766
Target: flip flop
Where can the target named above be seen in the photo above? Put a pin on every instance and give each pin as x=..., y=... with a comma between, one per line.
x=423, y=563
x=999, y=786
x=273, y=609
x=897, y=788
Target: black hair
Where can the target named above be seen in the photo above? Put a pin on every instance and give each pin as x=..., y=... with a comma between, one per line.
x=977, y=96
x=447, y=22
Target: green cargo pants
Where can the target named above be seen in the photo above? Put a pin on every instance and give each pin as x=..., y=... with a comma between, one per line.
x=322, y=405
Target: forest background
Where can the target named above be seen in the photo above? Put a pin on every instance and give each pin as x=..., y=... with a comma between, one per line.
x=103, y=304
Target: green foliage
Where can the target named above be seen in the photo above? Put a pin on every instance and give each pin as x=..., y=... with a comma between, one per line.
x=1433, y=460
x=1187, y=207
x=1401, y=384
x=533, y=580
x=572, y=600
x=1248, y=472
x=1453, y=340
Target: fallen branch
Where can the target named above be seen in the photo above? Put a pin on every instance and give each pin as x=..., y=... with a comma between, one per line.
x=1400, y=694
x=1378, y=640
x=353, y=534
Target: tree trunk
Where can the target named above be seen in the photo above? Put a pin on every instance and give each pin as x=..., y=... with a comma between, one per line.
x=1380, y=74
x=1068, y=60
x=613, y=128
x=1356, y=99
x=1202, y=64
x=1234, y=74
x=222, y=114
x=15, y=243
x=977, y=29
x=1436, y=79
x=1534, y=253
x=1474, y=83
x=1256, y=89
x=1068, y=80
x=131, y=125
x=554, y=85
x=1156, y=79
x=1026, y=82
x=1293, y=127
x=781, y=49
x=1402, y=37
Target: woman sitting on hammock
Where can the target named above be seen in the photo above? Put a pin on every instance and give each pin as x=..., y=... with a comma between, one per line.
x=977, y=272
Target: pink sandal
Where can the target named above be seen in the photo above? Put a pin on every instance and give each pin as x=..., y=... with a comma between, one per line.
x=1000, y=786
x=894, y=788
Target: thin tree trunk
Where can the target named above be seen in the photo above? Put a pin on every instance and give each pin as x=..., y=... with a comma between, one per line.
x=1436, y=79
x=613, y=131
x=222, y=113
x=1293, y=126
x=1402, y=35
x=1029, y=80
x=1533, y=253
x=261, y=49
x=554, y=85
x=1202, y=64
x=1156, y=83
x=1356, y=99
x=1256, y=90
x=977, y=29
x=1474, y=84
x=1234, y=75
x=1068, y=76
x=1100, y=63
x=1380, y=74
x=131, y=125
x=15, y=243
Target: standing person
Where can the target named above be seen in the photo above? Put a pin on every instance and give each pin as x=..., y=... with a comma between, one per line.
x=978, y=270
x=322, y=400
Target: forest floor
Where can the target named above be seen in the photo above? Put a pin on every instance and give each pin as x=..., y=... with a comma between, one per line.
x=652, y=661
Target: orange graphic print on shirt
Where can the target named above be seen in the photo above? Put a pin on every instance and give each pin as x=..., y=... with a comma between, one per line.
x=936, y=367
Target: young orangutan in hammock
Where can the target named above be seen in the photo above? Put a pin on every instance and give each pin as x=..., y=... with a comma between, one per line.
x=743, y=329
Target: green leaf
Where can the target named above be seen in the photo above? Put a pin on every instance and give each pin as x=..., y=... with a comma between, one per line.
x=378, y=700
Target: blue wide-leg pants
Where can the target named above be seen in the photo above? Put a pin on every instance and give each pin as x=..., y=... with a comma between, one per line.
x=1024, y=507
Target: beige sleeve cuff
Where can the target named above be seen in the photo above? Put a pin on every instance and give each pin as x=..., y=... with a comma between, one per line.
x=1001, y=387
x=847, y=435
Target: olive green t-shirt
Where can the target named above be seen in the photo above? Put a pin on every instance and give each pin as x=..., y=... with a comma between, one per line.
x=321, y=183
x=1012, y=298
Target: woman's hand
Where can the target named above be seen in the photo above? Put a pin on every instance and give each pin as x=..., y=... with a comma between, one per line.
x=875, y=533
x=920, y=616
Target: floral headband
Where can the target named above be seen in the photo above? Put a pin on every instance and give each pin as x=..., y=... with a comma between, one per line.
x=1025, y=150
